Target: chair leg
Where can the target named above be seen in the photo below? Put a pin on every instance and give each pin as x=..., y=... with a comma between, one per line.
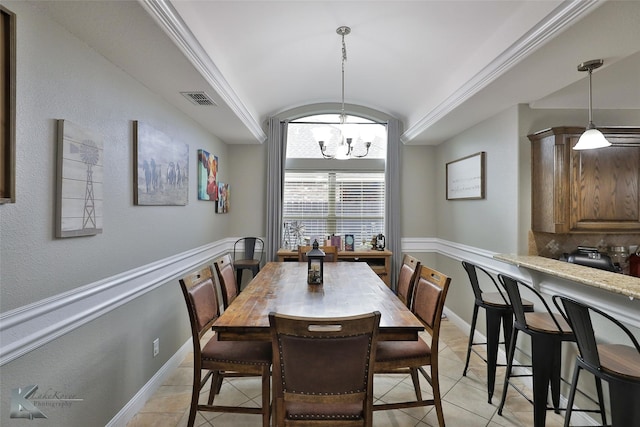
x=437, y=401
x=624, y=397
x=556, y=370
x=416, y=383
x=474, y=318
x=603, y=412
x=543, y=355
x=572, y=395
x=195, y=395
x=507, y=375
x=494, y=318
x=266, y=399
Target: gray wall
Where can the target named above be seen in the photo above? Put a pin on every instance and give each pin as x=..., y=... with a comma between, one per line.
x=109, y=359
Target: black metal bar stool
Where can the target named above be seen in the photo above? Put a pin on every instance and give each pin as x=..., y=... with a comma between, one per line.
x=498, y=310
x=618, y=364
x=547, y=331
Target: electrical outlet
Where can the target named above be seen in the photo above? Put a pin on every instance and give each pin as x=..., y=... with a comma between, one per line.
x=156, y=347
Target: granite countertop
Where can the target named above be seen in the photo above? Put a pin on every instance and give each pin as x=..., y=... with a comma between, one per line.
x=612, y=282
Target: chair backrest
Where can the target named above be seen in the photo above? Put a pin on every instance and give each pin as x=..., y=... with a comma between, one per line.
x=331, y=253
x=428, y=301
x=579, y=317
x=200, y=295
x=247, y=247
x=472, y=272
x=512, y=286
x=324, y=365
x=227, y=279
x=407, y=278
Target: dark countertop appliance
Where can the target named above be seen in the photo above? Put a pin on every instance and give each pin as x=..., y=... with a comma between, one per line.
x=590, y=257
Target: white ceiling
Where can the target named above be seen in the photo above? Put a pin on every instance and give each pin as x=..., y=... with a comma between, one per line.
x=438, y=66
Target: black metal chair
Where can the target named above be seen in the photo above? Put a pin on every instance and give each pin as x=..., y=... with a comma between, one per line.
x=248, y=253
x=618, y=364
x=547, y=331
x=498, y=310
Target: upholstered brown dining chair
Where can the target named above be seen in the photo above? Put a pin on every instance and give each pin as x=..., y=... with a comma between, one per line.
x=322, y=369
x=409, y=271
x=227, y=280
x=220, y=359
x=411, y=356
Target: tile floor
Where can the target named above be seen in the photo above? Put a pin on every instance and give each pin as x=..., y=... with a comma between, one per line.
x=464, y=398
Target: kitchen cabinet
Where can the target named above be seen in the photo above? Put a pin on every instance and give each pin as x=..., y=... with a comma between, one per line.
x=587, y=191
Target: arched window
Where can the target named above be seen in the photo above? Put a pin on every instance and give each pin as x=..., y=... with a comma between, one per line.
x=334, y=181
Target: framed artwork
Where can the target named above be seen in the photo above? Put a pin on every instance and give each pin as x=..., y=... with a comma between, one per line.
x=207, y=176
x=161, y=168
x=349, y=242
x=79, y=184
x=7, y=106
x=223, y=198
x=465, y=177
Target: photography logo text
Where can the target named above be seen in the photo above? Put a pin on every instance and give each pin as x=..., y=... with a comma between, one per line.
x=27, y=402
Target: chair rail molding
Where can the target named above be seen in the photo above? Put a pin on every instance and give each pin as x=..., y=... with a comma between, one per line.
x=22, y=330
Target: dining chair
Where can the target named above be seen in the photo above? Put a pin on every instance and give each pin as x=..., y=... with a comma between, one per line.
x=323, y=369
x=547, y=330
x=617, y=364
x=409, y=271
x=331, y=253
x=248, y=253
x=227, y=280
x=220, y=359
x=497, y=310
x=411, y=356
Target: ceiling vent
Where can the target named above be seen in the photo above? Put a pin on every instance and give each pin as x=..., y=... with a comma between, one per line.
x=198, y=98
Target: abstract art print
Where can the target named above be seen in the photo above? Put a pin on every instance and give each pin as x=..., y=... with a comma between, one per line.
x=207, y=176
x=223, y=198
x=79, y=184
x=161, y=168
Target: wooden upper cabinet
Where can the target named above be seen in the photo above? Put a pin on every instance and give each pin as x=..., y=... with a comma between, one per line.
x=591, y=191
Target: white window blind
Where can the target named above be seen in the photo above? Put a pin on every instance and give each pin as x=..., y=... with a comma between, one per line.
x=328, y=202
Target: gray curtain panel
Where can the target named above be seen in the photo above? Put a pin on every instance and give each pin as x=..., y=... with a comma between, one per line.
x=392, y=209
x=276, y=158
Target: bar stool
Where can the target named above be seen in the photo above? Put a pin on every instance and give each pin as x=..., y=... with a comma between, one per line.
x=498, y=309
x=617, y=364
x=547, y=331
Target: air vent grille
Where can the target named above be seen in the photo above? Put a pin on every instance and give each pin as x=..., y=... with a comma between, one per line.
x=198, y=98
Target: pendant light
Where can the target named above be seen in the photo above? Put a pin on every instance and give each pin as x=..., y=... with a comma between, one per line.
x=592, y=137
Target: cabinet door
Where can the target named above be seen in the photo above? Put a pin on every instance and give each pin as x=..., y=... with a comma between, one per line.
x=605, y=189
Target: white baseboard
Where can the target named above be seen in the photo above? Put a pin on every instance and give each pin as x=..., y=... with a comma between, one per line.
x=138, y=401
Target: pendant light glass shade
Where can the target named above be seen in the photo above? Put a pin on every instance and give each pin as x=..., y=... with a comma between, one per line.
x=592, y=137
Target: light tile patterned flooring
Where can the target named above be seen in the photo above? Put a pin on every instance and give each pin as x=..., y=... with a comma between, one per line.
x=464, y=397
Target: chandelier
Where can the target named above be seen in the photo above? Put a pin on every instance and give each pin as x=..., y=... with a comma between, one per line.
x=345, y=146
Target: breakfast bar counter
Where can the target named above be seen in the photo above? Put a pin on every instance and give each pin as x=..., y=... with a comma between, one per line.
x=628, y=286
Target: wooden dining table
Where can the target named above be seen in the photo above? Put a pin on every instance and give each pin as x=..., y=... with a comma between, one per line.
x=349, y=288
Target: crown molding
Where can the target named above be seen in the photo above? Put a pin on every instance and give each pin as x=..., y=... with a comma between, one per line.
x=562, y=17
x=170, y=21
